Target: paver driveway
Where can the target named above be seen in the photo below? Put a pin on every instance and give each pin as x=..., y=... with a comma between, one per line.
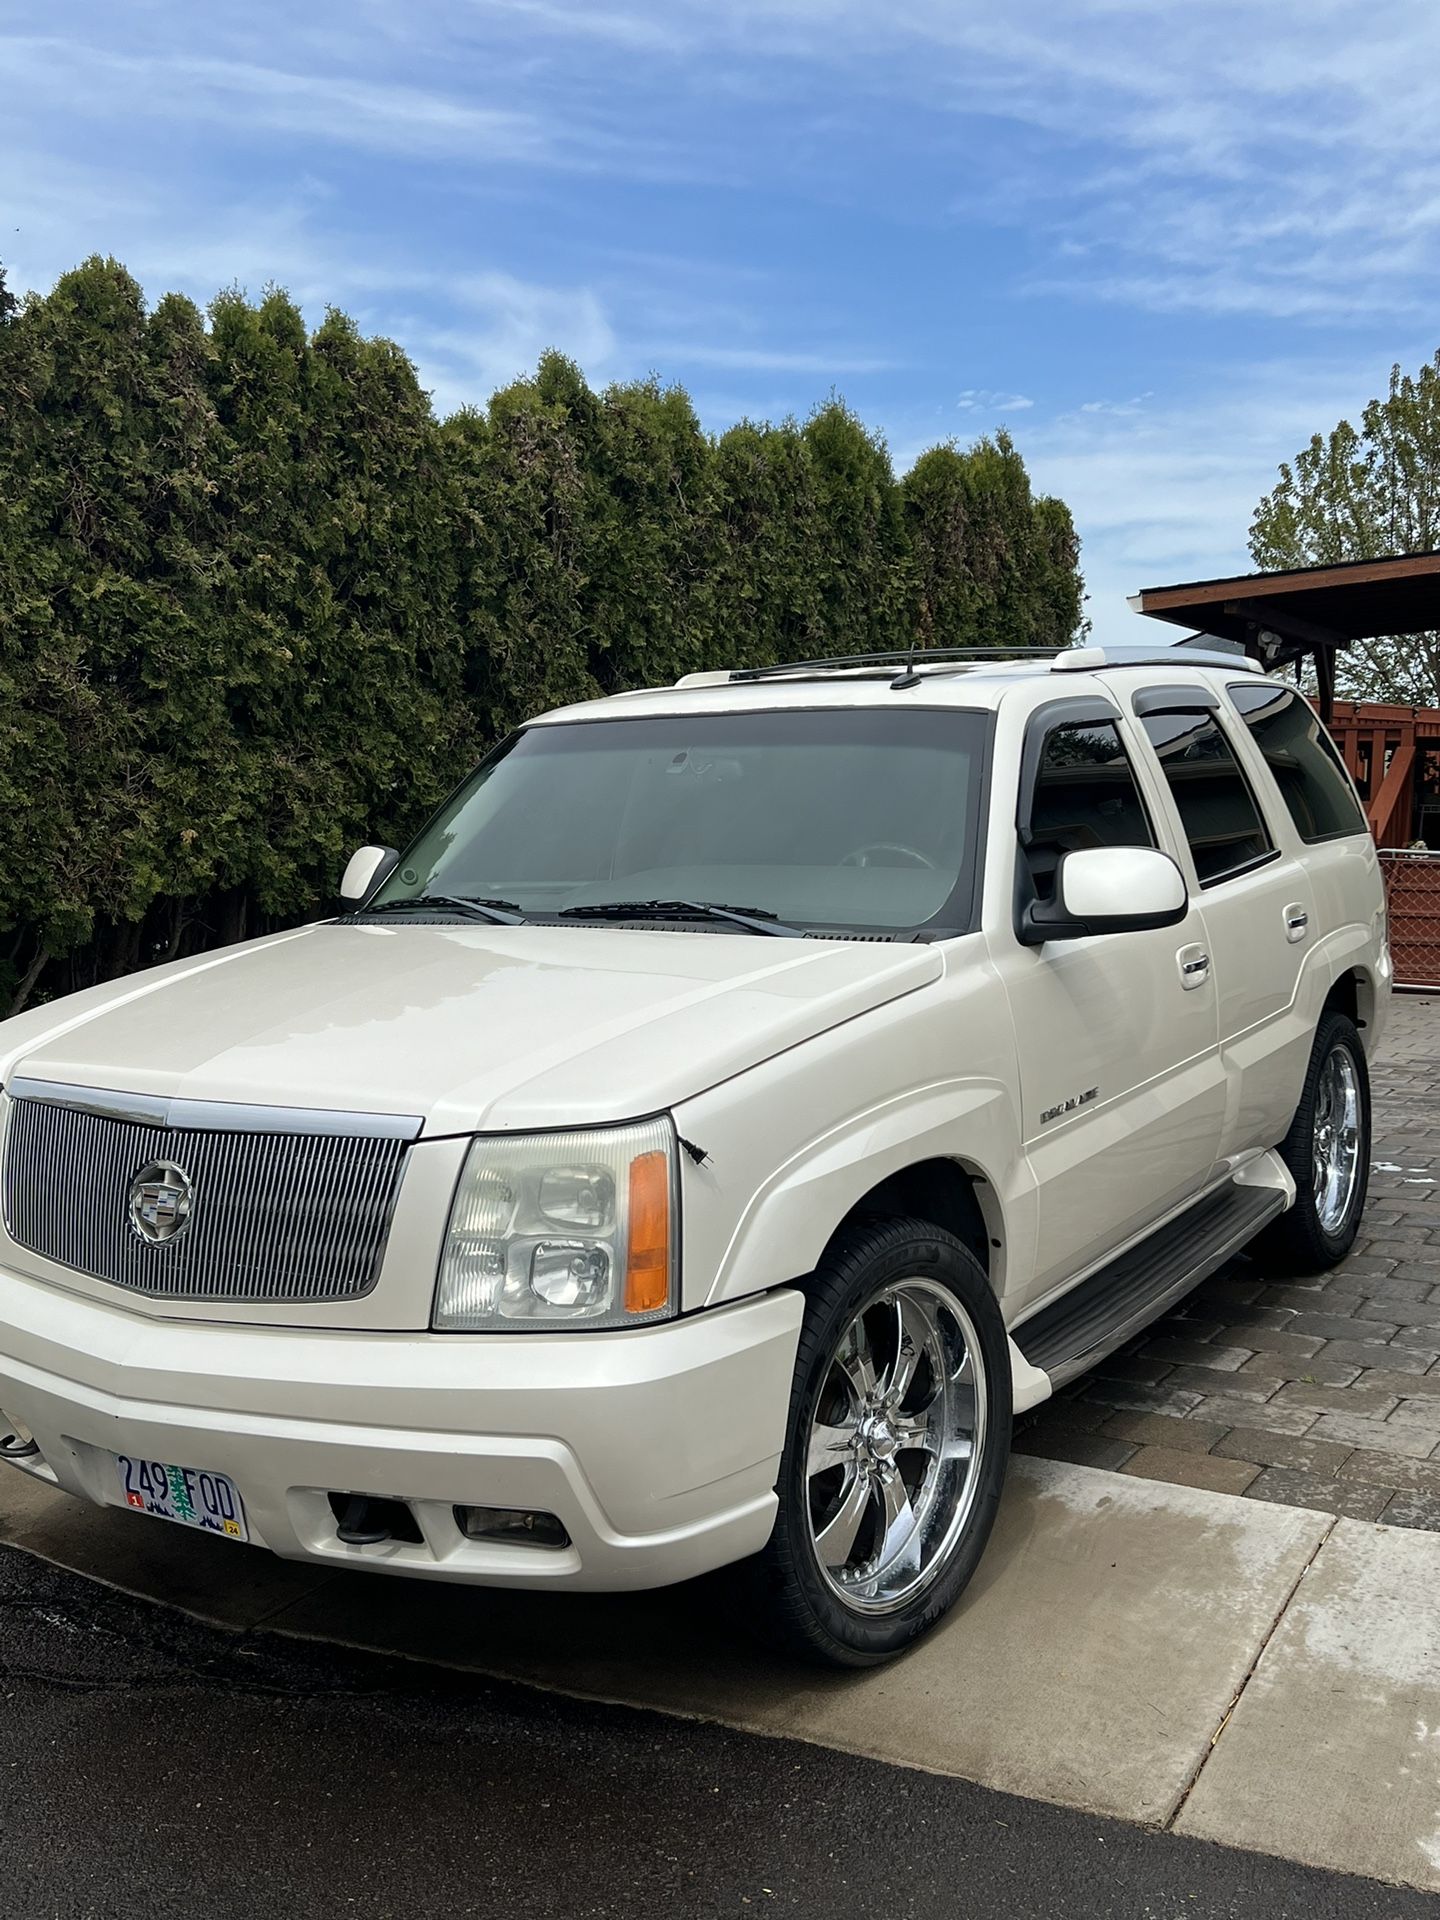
x=1318, y=1392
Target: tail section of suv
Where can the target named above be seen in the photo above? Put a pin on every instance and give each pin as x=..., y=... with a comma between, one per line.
x=739, y=1101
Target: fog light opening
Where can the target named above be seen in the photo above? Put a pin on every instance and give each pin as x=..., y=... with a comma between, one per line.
x=16, y=1440
x=512, y=1527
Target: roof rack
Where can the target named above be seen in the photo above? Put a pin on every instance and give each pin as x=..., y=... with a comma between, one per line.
x=1198, y=650
x=1192, y=650
x=872, y=662
x=922, y=656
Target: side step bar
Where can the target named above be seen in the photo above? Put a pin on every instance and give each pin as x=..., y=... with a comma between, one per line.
x=1076, y=1331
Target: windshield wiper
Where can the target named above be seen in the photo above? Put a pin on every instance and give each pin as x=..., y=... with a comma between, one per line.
x=495, y=913
x=753, y=919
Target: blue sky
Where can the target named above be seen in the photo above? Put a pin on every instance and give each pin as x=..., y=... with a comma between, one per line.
x=1161, y=240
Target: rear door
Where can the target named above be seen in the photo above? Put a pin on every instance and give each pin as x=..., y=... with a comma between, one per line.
x=1255, y=903
x=1120, y=1082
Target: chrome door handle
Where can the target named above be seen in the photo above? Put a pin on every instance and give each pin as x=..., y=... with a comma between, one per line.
x=1194, y=964
x=1296, y=922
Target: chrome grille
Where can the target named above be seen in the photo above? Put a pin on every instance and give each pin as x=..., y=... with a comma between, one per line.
x=295, y=1210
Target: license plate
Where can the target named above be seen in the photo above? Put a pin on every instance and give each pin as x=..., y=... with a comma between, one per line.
x=209, y=1501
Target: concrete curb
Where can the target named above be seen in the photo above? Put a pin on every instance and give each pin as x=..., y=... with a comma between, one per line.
x=1260, y=1675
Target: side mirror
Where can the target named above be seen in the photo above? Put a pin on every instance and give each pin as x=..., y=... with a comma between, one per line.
x=1108, y=890
x=364, y=871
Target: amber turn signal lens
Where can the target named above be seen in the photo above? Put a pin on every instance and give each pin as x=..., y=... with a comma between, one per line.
x=647, y=1273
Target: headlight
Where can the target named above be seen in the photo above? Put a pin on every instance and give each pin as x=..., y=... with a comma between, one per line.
x=550, y=1229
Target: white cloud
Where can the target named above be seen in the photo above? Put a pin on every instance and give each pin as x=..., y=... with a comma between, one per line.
x=636, y=32
x=986, y=400
x=498, y=327
x=1126, y=408
x=1275, y=158
x=171, y=88
x=814, y=361
x=1166, y=492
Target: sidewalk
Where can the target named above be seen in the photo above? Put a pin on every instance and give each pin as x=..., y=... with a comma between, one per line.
x=1252, y=1673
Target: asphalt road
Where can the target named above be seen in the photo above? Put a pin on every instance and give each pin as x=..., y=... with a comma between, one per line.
x=153, y=1767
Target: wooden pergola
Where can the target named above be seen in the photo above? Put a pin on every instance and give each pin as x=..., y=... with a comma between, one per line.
x=1280, y=618
x=1392, y=752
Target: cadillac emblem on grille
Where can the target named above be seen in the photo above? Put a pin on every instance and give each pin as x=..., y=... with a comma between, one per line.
x=160, y=1198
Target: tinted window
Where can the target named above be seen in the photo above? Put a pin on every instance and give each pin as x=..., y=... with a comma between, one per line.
x=1302, y=757
x=865, y=818
x=1217, y=809
x=1085, y=796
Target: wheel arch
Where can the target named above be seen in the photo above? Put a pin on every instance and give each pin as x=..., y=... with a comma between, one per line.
x=946, y=1152
x=951, y=1193
x=1353, y=994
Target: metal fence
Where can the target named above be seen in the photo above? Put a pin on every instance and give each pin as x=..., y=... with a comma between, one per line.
x=1412, y=891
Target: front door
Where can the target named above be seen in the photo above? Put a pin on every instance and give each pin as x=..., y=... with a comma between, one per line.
x=1120, y=1079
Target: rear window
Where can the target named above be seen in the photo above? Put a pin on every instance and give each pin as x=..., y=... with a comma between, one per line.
x=1302, y=757
x=1217, y=809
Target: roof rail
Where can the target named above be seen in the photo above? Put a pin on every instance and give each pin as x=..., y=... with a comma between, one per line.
x=1194, y=650
x=1183, y=652
x=880, y=662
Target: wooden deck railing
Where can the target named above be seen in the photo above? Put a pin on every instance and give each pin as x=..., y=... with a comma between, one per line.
x=1380, y=746
x=1412, y=893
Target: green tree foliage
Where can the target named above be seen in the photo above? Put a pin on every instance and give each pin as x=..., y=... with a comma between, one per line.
x=257, y=604
x=1362, y=495
x=990, y=565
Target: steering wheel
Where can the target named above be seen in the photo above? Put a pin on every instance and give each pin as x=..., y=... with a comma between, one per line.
x=909, y=856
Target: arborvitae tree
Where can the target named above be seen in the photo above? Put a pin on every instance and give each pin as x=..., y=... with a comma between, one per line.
x=256, y=604
x=384, y=713
x=519, y=517
x=31, y=745
x=947, y=598
x=97, y=638
x=648, y=523
x=1055, y=598
x=274, y=608
x=764, y=584
x=860, y=550
x=991, y=564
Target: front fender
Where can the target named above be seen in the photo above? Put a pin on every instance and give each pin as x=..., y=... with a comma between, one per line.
x=793, y=1144
x=784, y=1227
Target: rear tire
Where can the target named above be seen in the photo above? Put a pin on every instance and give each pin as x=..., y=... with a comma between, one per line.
x=895, y=1451
x=1328, y=1152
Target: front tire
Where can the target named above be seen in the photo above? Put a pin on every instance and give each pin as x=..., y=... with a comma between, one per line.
x=896, y=1449
x=1328, y=1152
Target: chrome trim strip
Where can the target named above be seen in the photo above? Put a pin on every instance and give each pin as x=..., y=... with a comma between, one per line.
x=213, y=1116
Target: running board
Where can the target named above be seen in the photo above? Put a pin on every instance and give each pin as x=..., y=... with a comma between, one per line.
x=1076, y=1331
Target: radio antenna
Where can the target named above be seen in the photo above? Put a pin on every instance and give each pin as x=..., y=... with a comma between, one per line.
x=910, y=678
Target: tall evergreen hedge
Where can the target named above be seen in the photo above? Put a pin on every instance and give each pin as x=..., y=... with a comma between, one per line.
x=257, y=604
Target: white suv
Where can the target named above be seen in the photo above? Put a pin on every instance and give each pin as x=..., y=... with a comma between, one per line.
x=738, y=1101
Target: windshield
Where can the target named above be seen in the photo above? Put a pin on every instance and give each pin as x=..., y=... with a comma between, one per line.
x=859, y=819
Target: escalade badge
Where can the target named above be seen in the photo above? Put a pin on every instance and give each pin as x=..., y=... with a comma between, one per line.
x=1069, y=1106
x=160, y=1198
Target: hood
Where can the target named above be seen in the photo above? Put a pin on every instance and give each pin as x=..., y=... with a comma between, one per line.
x=462, y=1026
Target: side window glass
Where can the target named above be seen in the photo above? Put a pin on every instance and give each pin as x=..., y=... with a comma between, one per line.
x=1217, y=809
x=1085, y=795
x=1302, y=757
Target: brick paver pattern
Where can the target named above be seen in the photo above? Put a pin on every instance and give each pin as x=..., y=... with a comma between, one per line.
x=1321, y=1391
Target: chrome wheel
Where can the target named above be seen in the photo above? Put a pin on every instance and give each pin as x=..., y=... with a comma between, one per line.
x=1335, y=1156
x=893, y=1447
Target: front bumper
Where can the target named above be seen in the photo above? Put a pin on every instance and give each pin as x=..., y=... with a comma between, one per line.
x=658, y=1449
